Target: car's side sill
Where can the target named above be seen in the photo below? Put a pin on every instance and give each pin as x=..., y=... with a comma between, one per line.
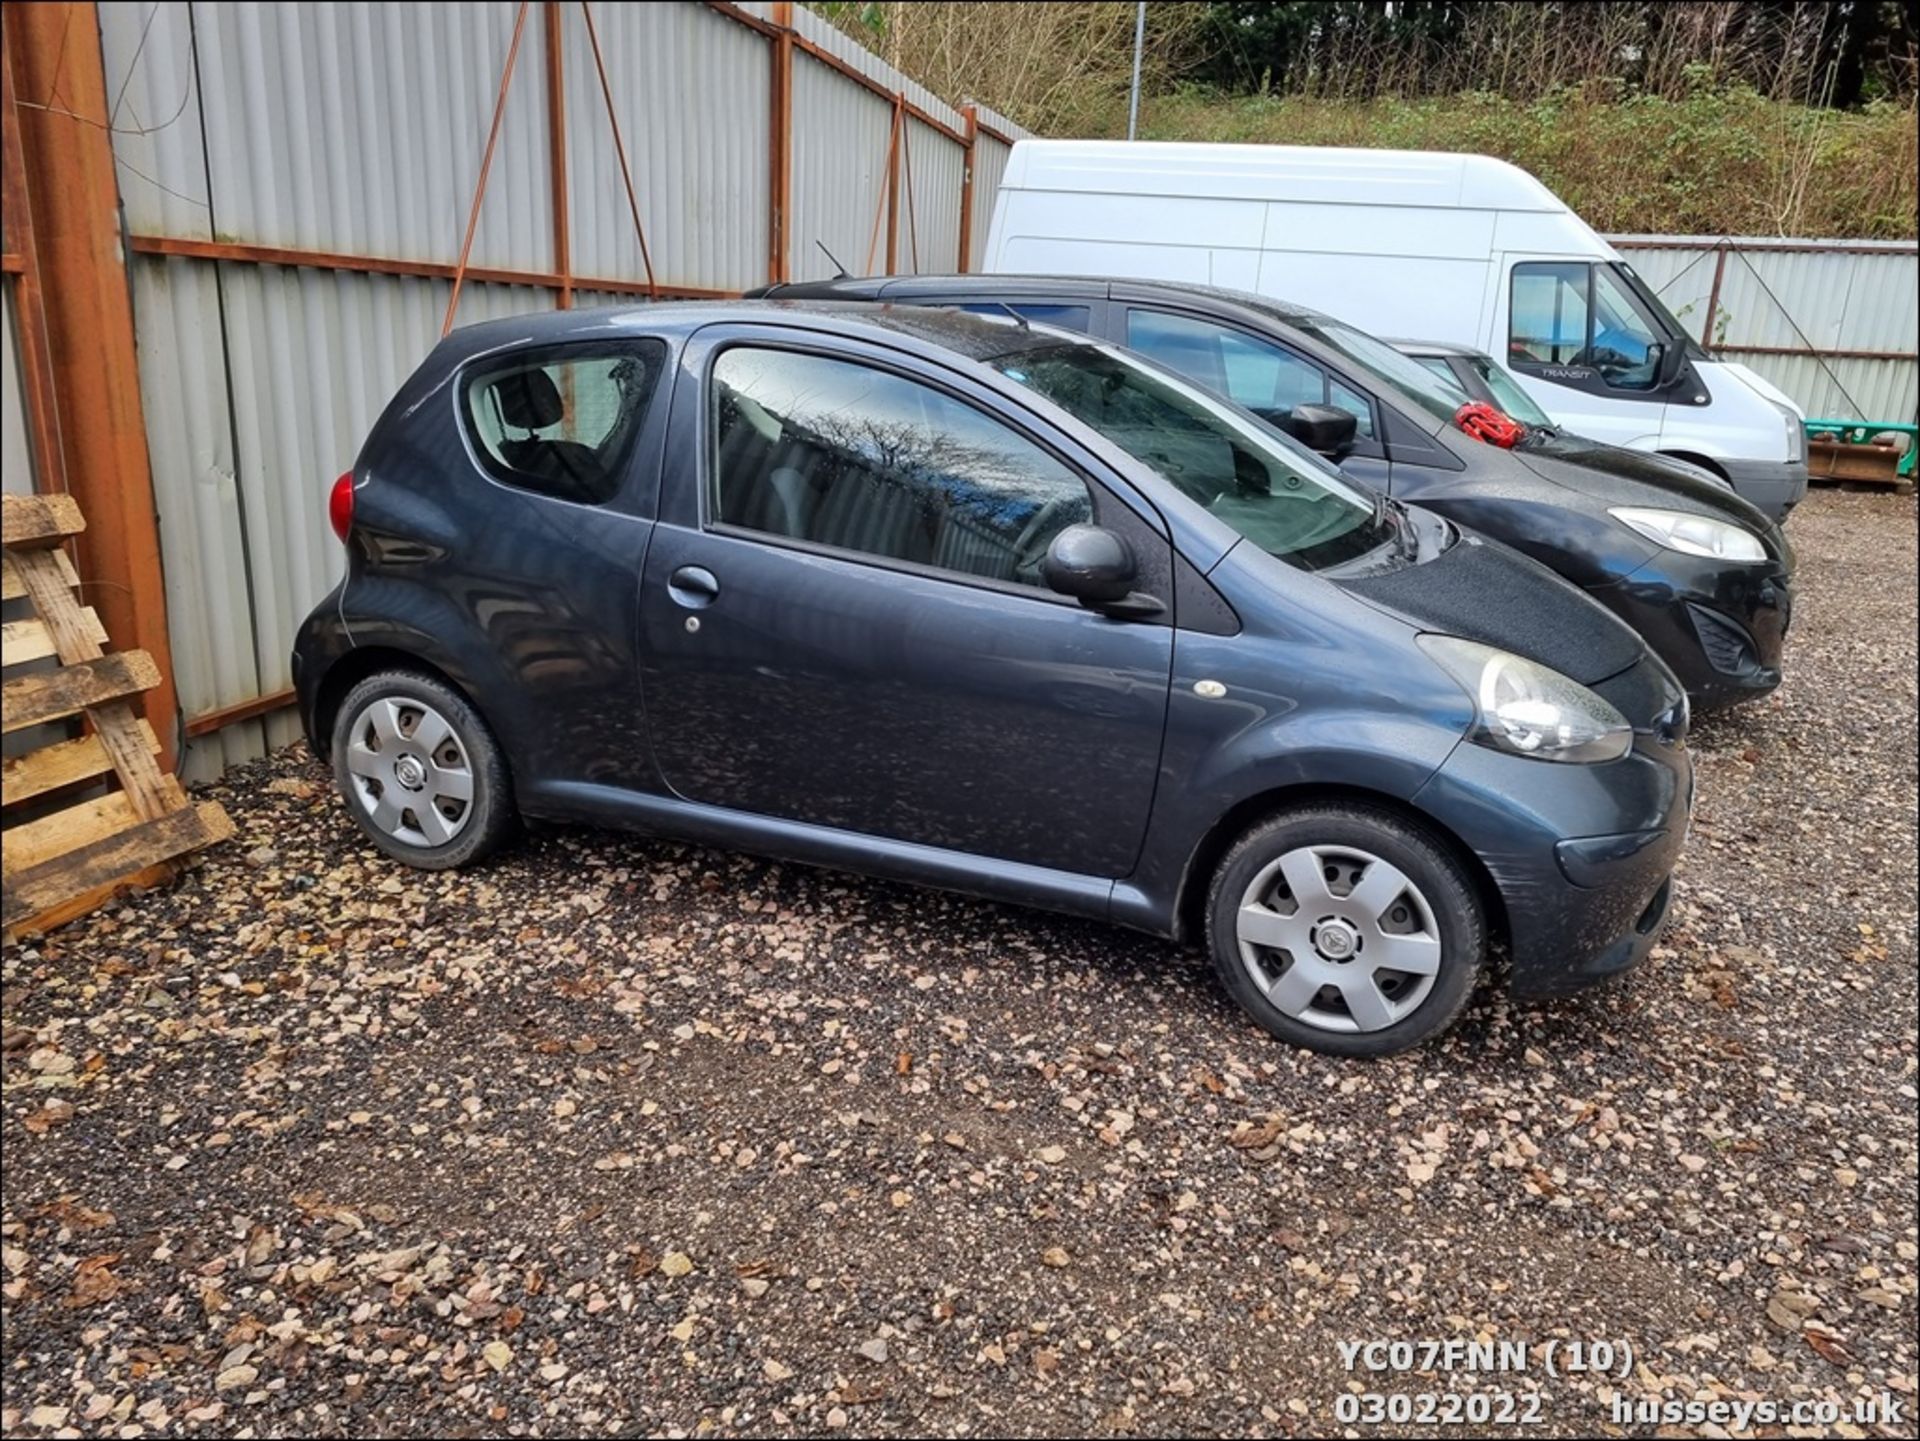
x=1093, y=897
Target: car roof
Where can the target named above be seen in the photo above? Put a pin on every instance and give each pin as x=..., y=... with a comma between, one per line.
x=976, y=337
x=1306, y=327
x=902, y=287
x=1437, y=347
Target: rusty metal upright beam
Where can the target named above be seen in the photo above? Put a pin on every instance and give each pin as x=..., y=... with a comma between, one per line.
x=971, y=113
x=893, y=185
x=780, y=146
x=557, y=156
x=619, y=146
x=486, y=166
x=1713, y=296
x=61, y=117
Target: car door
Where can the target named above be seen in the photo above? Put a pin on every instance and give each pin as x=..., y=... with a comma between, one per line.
x=843, y=622
x=1256, y=373
x=1583, y=347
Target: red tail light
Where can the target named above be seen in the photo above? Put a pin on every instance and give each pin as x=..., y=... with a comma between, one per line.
x=340, y=505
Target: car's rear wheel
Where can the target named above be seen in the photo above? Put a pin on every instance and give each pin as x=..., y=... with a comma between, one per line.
x=1346, y=929
x=421, y=773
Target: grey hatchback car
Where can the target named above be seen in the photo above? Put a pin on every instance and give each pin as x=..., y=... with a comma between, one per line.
x=980, y=605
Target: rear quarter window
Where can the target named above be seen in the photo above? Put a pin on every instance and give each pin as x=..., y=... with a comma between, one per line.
x=561, y=422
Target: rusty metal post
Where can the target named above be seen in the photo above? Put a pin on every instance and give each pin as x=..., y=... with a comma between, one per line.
x=893, y=184
x=619, y=147
x=486, y=167
x=1713, y=296
x=60, y=88
x=971, y=113
x=780, y=146
x=557, y=155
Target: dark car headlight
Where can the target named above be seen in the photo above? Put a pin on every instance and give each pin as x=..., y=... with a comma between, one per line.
x=1692, y=534
x=1528, y=709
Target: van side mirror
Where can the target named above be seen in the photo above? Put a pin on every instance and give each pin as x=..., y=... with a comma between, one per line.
x=1096, y=567
x=1669, y=360
x=1324, y=428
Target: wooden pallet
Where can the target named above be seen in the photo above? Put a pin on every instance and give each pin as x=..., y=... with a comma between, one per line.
x=64, y=863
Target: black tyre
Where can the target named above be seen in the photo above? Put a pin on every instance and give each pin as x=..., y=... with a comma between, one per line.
x=421, y=773
x=1345, y=929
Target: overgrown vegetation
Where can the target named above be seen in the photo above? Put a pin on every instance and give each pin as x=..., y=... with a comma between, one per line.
x=1718, y=162
x=1712, y=117
x=1841, y=54
x=1056, y=68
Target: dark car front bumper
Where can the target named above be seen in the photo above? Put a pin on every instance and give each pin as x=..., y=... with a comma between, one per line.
x=1582, y=855
x=1720, y=627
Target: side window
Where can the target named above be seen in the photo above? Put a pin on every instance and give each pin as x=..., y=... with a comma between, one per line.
x=1253, y=373
x=1623, y=345
x=1353, y=402
x=1548, y=324
x=562, y=422
x=844, y=455
x=1067, y=317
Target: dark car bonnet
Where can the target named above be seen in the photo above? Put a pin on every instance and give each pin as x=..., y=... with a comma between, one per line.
x=1571, y=461
x=1500, y=598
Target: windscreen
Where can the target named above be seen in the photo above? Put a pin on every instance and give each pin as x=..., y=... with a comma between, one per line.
x=1439, y=398
x=1650, y=298
x=1281, y=497
x=1508, y=394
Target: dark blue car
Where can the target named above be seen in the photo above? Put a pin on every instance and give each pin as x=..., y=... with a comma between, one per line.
x=973, y=603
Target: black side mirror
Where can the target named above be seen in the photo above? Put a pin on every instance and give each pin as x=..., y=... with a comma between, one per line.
x=1096, y=567
x=1669, y=360
x=1324, y=428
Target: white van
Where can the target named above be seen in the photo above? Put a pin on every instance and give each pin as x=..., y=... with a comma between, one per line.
x=1428, y=246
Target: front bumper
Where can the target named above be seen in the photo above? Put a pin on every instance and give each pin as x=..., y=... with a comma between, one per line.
x=1776, y=487
x=1720, y=627
x=1582, y=856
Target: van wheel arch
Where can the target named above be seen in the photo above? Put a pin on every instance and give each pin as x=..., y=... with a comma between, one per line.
x=1706, y=463
x=1190, y=908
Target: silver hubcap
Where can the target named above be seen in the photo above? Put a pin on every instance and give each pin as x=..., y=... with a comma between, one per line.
x=1338, y=939
x=411, y=776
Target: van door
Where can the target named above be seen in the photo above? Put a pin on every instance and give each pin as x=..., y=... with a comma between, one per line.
x=1584, y=347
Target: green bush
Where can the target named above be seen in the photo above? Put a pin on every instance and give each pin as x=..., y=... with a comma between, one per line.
x=1717, y=161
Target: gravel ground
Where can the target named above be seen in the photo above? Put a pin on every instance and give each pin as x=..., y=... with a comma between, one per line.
x=616, y=1136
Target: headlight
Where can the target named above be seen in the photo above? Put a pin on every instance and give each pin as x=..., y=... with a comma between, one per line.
x=1693, y=534
x=1527, y=708
x=1796, y=436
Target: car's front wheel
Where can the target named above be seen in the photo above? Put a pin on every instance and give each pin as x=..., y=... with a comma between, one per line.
x=421, y=773
x=1346, y=929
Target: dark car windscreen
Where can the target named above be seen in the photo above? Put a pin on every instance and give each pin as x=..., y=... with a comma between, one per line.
x=1507, y=393
x=1292, y=505
x=1439, y=398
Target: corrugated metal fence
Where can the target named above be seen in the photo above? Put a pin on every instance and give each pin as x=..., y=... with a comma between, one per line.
x=1834, y=323
x=296, y=183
